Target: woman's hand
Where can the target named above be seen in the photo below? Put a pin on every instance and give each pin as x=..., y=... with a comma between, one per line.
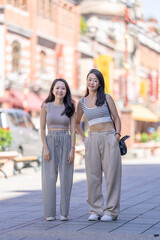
x=47, y=155
x=84, y=139
x=71, y=156
x=117, y=136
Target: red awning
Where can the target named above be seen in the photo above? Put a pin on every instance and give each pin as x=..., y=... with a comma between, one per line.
x=33, y=101
x=11, y=100
x=3, y=99
x=43, y=96
x=76, y=100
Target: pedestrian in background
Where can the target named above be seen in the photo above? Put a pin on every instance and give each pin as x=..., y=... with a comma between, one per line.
x=102, y=153
x=58, y=113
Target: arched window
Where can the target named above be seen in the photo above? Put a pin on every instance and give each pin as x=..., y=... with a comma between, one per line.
x=41, y=7
x=42, y=61
x=16, y=3
x=16, y=49
x=24, y=4
x=50, y=5
x=9, y=1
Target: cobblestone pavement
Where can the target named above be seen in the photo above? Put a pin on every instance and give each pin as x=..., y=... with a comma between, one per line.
x=21, y=215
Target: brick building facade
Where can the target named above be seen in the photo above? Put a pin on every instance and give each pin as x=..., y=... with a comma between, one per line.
x=149, y=82
x=39, y=42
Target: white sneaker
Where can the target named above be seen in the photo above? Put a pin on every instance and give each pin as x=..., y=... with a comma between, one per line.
x=64, y=218
x=106, y=218
x=93, y=217
x=50, y=218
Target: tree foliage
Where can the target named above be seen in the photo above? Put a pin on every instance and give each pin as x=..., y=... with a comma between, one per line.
x=5, y=138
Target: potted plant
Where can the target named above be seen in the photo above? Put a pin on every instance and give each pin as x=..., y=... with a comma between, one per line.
x=144, y=137
x=5, y=139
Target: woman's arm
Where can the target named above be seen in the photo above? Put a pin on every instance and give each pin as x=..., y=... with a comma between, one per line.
x=43, y=114
x=115, y=115
x=78, y=120
x=73, y=139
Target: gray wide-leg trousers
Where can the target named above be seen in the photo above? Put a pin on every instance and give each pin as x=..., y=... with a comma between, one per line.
x=59, y=145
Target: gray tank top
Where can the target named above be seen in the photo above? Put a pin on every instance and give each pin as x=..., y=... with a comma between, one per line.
x=54, y=118
x=96, y=114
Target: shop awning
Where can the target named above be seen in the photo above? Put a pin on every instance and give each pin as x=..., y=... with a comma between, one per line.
x=33, y=101
x=11, y=100
x=141, y=113
x=43, y=96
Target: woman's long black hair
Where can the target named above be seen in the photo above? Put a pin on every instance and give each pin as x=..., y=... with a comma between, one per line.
x=101, y=97
x=68, y=101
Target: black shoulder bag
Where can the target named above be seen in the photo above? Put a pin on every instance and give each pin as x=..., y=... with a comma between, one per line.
x=122, y=144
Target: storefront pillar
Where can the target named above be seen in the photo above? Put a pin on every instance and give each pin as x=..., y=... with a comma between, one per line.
x=127, y=126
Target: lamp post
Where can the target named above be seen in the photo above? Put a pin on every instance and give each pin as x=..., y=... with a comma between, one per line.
x=126, y=66
x=25, y=99
x=92, y=26
x=126, y=19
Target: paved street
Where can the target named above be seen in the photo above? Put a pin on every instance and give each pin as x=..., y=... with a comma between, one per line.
x=21, y=215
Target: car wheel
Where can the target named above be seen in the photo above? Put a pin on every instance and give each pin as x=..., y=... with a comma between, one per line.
x=20, y=151
x=19, y=165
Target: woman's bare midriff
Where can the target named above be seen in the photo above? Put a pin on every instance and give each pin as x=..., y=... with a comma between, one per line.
x=101, y=127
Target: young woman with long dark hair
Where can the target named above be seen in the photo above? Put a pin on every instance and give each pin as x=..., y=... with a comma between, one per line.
x=102, y=153
x=58, y=113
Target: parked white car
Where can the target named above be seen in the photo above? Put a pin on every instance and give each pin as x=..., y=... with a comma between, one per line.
x=26, y=138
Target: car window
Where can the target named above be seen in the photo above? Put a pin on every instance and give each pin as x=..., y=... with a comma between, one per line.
x=12, y=118
x=3, y=120
x=0, y=120
x=29, y=122
x=21, y=120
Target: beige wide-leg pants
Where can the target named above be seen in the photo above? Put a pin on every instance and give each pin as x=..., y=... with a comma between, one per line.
x=103, y=155
x=59, y=144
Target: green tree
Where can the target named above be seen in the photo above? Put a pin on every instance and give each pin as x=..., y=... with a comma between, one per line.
x=83, y=25
x=5, y=138
x=144, y=137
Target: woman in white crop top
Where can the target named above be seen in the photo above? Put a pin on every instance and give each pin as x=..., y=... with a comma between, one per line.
x=58, y=114
x=102, y=152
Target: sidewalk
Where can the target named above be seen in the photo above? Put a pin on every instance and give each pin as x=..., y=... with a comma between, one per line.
x=21, y=215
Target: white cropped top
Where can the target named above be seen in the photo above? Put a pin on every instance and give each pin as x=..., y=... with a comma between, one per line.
x=98, y=114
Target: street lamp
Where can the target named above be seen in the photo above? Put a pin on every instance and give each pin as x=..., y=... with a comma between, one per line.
x=25, y=99
x=129, y=17
x=92, y=28
x=127, y=20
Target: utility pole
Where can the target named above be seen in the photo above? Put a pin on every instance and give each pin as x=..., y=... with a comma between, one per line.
x=126, y=65
x=127, y=20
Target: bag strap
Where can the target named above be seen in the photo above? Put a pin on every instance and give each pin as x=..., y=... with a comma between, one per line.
x=126, y=136
x=110, y=114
